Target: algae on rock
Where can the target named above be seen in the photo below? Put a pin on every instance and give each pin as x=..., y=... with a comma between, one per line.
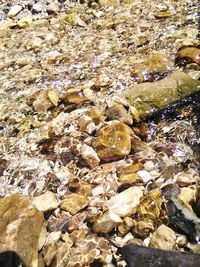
x=149, y=98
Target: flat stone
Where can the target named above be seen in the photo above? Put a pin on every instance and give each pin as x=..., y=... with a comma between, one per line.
x=125, y=203
x=46, y=201
x=20, y=226
x=113, y=141
x=163, y=238
x=74, y=202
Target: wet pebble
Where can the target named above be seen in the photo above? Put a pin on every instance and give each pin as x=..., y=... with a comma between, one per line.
x=163, y=238
x=113, y=141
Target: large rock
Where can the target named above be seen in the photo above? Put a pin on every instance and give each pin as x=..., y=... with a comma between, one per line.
x=149, y=98
x=113, y=141
x=20, y=226
x=125, y=203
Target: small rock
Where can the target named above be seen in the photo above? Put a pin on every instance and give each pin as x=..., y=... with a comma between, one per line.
x=113, y=141
x=25, y=22
x=118, y=112
x=49, y=252
x=37, y=8
x=14, y=10
x=107, y=222
x=125, y=203
x=52, y=8
x=90, y=156
x=74, y=202
x=149, y=165
x=45, y=100
x=188, y=196
x=75, y=20
x=188, y=55
x=53, y=57
x=156, y=67
x=162, y=14
x=184, y=178
x=75, y=96
x=129, y=178
x=145, y=176
x=46, y=201
x=163, y=238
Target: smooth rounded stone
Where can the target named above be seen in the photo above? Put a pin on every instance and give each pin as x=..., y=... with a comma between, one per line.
x=45, y=99
x=74, y=202
x=90, y=156
x=113, y=141
x=129, y=178
x=46, y=201
x=163, y=238
x=118, y=112
x=14, y=10
x=125, y=203
x=107, y=222
x=188, y=55
x=20, y=227
x=156, y=67
x=149, y=98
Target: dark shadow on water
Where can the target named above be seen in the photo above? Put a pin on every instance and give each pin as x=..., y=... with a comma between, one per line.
x=10, y=259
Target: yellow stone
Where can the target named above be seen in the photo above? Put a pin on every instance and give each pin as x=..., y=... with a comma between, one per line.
x=129, y=178
x=113, y=141
x=74, y=202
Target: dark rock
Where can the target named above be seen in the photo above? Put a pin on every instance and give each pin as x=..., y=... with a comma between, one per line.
x=184, y=219
x=137, y=256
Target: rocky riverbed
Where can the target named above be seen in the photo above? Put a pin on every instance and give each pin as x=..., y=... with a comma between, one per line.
x=99, y=129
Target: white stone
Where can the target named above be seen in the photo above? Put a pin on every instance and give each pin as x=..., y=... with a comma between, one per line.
x=14, y=10
x=125, y=203
x=89, y=155
x=146, y=176
x=46, y=201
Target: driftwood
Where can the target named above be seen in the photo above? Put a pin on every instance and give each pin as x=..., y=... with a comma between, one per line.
x=149, y=98
x=137, y=256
